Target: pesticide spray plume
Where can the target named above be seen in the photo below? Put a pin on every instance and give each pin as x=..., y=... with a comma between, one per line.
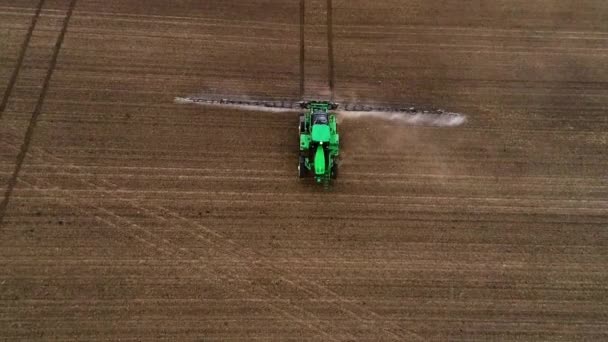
x=346, y=111
x=272, y=106
x=442, y=119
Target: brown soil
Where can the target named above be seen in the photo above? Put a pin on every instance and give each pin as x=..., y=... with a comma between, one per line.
x=131, y=217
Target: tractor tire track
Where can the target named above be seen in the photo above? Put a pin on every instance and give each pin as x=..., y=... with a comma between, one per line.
x=37, y=110
x=330, y=49
x=302, y=48
x=15, y=74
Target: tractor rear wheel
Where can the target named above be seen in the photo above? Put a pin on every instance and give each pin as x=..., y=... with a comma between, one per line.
x=334, y=171
x=302, y=167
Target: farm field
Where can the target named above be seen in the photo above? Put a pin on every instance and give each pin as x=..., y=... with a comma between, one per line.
x=128, y=216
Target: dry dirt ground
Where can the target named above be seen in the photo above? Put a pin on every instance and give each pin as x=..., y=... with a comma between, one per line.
x=128, y=217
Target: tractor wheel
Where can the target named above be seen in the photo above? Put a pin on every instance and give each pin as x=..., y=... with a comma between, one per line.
x=302, y=167
x=302, y=124
x=334, y=171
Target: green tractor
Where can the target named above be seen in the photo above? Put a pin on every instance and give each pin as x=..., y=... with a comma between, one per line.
x=319, y=141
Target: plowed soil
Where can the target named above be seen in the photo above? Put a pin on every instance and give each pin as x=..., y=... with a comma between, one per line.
x=126, y=216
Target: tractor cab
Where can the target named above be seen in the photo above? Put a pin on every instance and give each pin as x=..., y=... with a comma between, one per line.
x=320, y=131
x=320, y=118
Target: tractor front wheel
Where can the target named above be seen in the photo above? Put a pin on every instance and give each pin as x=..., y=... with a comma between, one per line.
x=302, y=127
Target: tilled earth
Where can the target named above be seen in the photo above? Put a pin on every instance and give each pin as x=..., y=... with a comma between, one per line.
x=126, y=216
